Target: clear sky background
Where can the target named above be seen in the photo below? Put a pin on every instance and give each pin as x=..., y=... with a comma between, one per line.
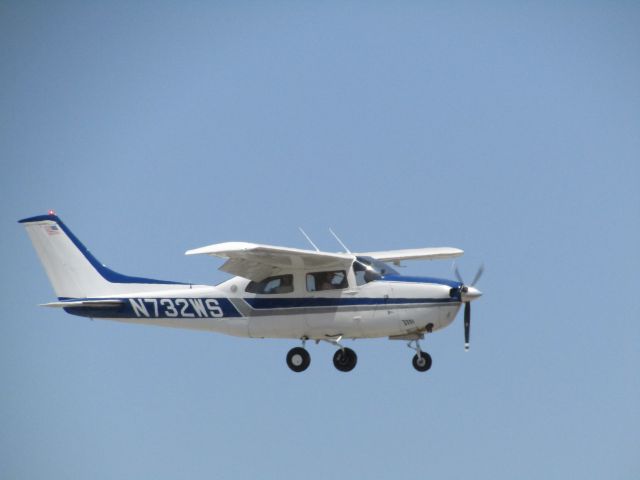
x=510, y=130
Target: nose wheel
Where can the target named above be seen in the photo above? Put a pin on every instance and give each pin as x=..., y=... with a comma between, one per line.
x=421, y=360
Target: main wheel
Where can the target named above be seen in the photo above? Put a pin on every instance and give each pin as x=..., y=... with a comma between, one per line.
x=422, y=363
x=345, y=359
x=298, y=359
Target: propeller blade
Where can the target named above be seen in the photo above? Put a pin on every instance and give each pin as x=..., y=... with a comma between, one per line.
x=457, y=272
x=467, y=324
x=478, y=275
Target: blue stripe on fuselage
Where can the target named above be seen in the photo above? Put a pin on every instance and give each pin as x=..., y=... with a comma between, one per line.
x=411, y=279
x=222, y=307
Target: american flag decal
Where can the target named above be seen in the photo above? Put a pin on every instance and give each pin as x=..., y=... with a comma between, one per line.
x=52, y=229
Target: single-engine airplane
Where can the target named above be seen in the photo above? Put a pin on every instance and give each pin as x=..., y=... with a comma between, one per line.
x=276, y=292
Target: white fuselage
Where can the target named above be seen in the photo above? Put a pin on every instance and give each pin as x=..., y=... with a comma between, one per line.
x=376, y=309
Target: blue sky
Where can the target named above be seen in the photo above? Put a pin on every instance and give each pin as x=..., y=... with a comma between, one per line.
x=511, y=130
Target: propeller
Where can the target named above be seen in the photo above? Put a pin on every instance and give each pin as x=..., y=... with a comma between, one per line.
x=467, y=324
x=467, y=294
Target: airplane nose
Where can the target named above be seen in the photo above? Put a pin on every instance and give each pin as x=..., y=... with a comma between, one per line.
x=470, y=293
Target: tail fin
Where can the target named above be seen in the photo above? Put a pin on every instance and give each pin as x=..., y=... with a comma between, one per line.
x=73, y=271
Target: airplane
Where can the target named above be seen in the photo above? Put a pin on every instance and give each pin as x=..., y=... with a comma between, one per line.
x=276, y=292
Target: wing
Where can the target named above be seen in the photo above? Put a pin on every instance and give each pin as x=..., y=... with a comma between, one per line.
x=257, y=262
x=433, y=253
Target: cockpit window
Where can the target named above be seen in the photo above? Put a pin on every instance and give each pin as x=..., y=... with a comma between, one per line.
x=364, y=273
x=368, y=269
x=272, y=285
x=326, y=280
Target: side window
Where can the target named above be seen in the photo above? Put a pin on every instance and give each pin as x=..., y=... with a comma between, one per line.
x=326, y=280
x=272, y=285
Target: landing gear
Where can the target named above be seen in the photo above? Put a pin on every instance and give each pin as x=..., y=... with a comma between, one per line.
x=421, y=360
x=422, y=363
x=298, y=359
x=345, y=359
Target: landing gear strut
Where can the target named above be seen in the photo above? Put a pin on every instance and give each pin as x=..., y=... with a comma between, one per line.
x=421, y=360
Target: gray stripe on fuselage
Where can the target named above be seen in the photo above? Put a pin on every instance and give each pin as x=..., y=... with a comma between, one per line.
x=247, y=311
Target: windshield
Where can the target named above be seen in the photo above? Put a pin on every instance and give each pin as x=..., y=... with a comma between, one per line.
x=379, y=267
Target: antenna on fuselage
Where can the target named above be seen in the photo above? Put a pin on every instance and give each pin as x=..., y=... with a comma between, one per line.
x=308, y=239
x=339, y=241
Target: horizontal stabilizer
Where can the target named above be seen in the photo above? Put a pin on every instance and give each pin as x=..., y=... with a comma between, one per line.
x=111, y=303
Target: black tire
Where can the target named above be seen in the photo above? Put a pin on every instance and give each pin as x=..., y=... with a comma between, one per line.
x=298, y=359
x=422, y=363
x=345, y=359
